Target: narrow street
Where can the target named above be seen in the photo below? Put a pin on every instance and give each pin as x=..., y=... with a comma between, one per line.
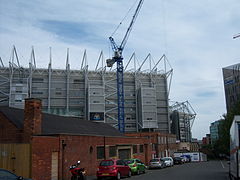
x=211, y=170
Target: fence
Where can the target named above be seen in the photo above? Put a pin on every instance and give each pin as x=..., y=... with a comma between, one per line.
x=16, y=158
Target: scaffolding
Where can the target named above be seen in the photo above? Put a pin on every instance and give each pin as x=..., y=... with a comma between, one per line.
x=92, y=94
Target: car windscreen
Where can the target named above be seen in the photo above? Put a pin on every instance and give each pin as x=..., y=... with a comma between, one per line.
x=165, y=159
x=154, y=160
x=106, y=163
x=129, y=161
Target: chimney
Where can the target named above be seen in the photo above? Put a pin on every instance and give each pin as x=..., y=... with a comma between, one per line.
x=32, y=118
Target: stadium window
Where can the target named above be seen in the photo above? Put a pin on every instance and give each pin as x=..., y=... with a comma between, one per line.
x=76, y=81
x=37, y=80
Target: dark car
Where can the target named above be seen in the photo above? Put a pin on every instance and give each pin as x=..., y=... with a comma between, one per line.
x=178, y=160
x=113, y=168
x=7, y=175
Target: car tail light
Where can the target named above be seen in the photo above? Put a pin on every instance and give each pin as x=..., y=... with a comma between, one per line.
x=134, y=165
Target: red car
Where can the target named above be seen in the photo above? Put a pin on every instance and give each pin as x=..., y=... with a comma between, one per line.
x=113, y=168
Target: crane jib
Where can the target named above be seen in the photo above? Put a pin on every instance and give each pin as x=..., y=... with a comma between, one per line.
x=117, y=57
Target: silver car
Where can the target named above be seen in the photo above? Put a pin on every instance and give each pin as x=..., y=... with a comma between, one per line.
x=156, y=163
x=168, y=161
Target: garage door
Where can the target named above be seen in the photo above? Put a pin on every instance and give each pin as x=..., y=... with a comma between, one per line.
x=124, y=153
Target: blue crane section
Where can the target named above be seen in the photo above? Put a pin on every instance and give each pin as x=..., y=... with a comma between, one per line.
x=118, y=58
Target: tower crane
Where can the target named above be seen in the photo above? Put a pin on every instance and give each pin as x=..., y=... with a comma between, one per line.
x=118, y=58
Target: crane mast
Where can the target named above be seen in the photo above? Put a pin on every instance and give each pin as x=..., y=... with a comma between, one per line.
x=118, y=58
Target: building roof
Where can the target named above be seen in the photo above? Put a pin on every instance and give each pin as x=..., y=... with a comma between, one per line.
x=234, y=66
x=54, y=124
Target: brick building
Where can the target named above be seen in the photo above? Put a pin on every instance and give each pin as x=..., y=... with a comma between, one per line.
x=206, y=140
x=56, y=142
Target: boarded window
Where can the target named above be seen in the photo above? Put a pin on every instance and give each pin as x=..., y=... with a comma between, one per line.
x=134, y=149
x=100, y=152
x=112, y=151
x=141, y=148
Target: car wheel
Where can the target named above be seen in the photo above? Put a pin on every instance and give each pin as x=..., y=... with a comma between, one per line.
x=138, y=172
x=129, y=173
x=144, y=171
x=118, y=176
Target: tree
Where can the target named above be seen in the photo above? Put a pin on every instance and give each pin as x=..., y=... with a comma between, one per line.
x=222, y=144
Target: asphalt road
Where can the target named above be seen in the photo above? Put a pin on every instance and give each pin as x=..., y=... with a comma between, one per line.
x=211, y=170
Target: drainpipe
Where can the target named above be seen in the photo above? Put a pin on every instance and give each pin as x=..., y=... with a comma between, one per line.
x=167, y=145
x=104, y=144
x=63, y=158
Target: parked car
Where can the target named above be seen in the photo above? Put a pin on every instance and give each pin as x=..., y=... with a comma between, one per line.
x=136, y=166
x=157, y=163
x=178, y=160
x=113, y=168
x=168, y=161
x=187, y=158
x=7, y=175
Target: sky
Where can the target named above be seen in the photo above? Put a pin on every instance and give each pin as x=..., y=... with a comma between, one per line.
x=195, y=36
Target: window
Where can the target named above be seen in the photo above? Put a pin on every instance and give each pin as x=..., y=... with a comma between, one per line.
x=18, y=100
x=37, y=92
x=141, y=148
x=76, y=81
x=100, y=152
x=96, y=101
x=134, y=149
x=37, y=80
x=139, y=161
x=112, y=151
x=106, y=163
x=120, y=162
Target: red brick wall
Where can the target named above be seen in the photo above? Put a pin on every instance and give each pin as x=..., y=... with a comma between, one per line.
x=153, y=139
x=9, y=133
x=42, y=148
x=78, y=148
x=72, y=149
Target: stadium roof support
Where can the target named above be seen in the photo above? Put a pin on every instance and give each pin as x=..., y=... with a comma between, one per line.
x=186, y=108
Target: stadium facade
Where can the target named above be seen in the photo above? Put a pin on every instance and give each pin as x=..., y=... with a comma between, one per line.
x=92, y=94
x=182, y=117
